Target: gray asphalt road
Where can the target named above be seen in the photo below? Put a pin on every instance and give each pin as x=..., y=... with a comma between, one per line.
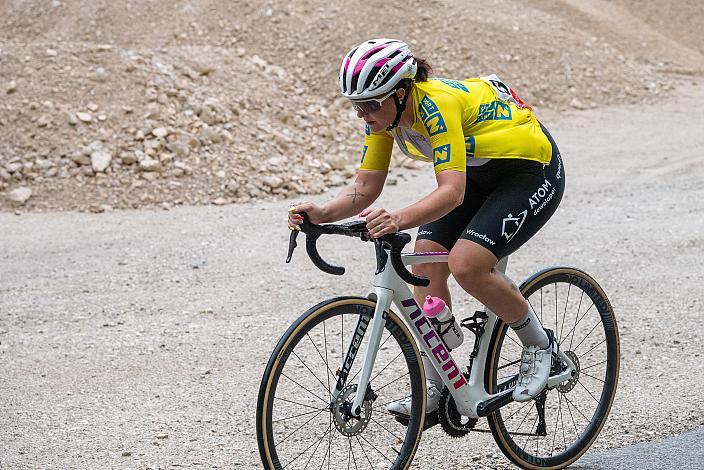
x=137, y=339
x=675, y=453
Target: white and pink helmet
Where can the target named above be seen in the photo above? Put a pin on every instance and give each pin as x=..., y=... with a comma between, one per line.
x=374, y=68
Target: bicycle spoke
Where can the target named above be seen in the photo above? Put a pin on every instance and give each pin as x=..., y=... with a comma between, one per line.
x=316, y=449
x=572, y=416
x=296, y=403
x=393, y=381
x=508, y=364
x=556, y=305
x=509, y=337
x=581, y=373
x=331, y=436
x=299, y=427
x=577, y=322
x=385, y=367
x=520, y=425
x=579, y=307
x=376, y=449
x=364, y=452
x=541, y=306
x=360, y=370
x=350, y=452
x=564, y=313
x=316, y=396
x=593, y=347
x=325, y=337
x=378, y=407
x=577, y=409
x=557, y=417
x=531, y=433
x=318, y=440
x=399, y=439
x=327, y=366
x=562, y=421
x=593, y=365
x=299, y=415
x=590, y=393
x=516, y=412
x=584, y=339
x=311, y=372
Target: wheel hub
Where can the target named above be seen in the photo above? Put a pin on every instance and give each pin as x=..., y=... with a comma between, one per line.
x=347, y=424
x=568, y=385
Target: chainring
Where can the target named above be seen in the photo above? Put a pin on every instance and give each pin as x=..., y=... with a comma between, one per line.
x=345, y=423
x=451, y=421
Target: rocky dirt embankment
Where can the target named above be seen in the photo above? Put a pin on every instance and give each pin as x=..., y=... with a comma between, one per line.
x=117, y=106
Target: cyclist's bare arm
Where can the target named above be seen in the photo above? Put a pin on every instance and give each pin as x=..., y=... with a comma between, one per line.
x=448, y=195
x=355, y=197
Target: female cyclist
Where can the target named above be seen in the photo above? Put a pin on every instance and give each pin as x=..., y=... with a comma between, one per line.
x=499, y=179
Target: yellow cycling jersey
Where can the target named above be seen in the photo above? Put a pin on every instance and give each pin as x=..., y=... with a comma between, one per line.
x=459, y=124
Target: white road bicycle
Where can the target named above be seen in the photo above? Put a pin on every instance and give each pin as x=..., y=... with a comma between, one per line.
x=311, y=413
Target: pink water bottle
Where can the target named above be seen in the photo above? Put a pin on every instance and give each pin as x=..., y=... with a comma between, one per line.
x=445, y=323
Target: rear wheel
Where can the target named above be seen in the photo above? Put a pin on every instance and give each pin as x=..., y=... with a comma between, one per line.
x=299, y=427
x=559, y=425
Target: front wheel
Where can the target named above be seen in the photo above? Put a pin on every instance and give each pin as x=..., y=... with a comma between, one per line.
x=560, y=424
x=299, y=425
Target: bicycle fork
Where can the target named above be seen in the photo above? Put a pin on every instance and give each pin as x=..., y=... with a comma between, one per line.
x=376, y=320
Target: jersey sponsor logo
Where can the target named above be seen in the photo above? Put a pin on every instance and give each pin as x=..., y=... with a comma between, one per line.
x=431, y=116
x=454, y=84
x=471, y=144
x=364, y=152
x=424, y=232
x=481, y=236
x=367, y=129
x=543, y=195
x=435, y=124
x=441, y=154
x=427, y=107
x=511, y=225
x=494, y=111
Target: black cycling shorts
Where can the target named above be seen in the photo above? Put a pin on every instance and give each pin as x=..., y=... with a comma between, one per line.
x=506, y=202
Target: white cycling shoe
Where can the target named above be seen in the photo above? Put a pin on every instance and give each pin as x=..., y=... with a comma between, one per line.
x=402, y=407
x=535, y=370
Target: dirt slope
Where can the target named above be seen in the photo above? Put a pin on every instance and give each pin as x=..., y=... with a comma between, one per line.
x=129, y=104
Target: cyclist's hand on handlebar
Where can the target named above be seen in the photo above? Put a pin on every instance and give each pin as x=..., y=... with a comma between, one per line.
x=380, y=221
x=314, y=213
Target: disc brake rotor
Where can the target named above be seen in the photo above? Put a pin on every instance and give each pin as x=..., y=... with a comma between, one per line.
x=347, y=424
x=568, y=385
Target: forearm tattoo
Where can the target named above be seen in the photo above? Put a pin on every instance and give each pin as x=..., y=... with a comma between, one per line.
x=354, y=195
x=506, y=278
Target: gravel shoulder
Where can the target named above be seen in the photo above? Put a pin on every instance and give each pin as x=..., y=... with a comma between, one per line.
x=137, y=339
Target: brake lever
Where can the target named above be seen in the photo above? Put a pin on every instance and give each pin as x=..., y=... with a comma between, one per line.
x=292, y=244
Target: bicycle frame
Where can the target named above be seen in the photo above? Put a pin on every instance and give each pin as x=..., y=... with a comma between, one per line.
x=470, y=396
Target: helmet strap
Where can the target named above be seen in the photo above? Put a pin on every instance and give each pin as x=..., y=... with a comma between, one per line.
x=400, y=106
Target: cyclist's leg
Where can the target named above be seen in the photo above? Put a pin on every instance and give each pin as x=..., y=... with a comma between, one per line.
x=518, y=207
x=525, y=195
x=436, y=236
x=438, y=273
x=441, y=235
